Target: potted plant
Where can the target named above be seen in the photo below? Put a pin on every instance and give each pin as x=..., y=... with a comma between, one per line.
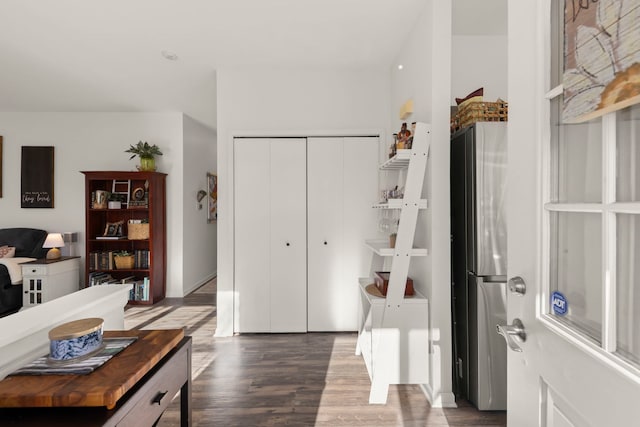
x=146, y=153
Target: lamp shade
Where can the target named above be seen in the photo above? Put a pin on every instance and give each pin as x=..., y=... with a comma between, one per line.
x=54, y=240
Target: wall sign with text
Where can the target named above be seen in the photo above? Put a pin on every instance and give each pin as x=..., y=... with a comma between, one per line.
x=36, y=184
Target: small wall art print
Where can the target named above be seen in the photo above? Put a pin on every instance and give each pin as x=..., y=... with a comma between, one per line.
x=601, y=58
x=36, y=184
x=0, y=166
x=212, y=197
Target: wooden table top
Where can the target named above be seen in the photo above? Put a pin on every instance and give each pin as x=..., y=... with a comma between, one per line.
x=104, y=386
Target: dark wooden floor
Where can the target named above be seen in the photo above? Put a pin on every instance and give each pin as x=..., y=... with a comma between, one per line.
x=286, y=379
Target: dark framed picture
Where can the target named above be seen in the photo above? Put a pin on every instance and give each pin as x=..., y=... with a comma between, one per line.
x=36, y=183
x=0, y=166
x=113, y=229
x=212, y=200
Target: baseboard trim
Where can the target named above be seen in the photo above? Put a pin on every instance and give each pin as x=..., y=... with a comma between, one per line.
x=199, y=283
x=441, y=400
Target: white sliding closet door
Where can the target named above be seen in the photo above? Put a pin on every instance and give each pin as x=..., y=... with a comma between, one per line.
x=342, y=184
x=270, y=235
x=288, y=235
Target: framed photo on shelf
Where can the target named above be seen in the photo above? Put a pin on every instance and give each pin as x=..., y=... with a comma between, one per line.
x=212, y=199
x=139, y=198
x=113, y=229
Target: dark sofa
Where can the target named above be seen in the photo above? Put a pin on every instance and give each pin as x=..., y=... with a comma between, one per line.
x=28, y=243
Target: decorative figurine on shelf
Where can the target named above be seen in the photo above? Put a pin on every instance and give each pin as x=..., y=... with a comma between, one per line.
x=403, y=137
x=392, y=148
x=409, y=142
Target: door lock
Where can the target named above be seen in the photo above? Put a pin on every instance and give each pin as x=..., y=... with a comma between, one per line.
x=517, y=285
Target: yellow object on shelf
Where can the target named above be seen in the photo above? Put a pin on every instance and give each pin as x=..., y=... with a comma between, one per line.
x=124, y=262
x=406, y=109
x=138, y=231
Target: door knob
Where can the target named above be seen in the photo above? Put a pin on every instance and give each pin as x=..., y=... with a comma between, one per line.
x=511, y=332
x=325, y=242
x=517, y=285
x=288, y=244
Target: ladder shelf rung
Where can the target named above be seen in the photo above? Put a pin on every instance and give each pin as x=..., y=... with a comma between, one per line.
x=399, y=204
x=381, y=247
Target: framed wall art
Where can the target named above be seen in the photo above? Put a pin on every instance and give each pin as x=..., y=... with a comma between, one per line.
x=36, y=183
x=601, y=58
x=212, y=199
x=0, y=166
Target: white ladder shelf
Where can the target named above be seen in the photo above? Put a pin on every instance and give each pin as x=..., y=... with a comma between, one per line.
x=393, y=337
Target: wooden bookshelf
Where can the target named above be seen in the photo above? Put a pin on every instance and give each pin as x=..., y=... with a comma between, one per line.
x=143, y=199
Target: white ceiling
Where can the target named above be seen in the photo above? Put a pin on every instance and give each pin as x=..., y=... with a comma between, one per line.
x=105, y=55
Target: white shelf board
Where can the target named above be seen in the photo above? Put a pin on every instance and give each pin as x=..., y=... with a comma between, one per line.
x=416, y=298
x=381, y=247
x=399, y=161
x=399, y=204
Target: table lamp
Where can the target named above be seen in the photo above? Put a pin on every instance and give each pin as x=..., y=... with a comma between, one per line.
x=53, y=241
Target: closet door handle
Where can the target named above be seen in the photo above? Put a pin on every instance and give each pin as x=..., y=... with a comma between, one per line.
x=288, y=244
x=325, y=242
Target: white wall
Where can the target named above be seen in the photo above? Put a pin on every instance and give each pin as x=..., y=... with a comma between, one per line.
x=261, y=101
x=479, y=61
x=92, y=141
x=199, y=237
x=426, y=78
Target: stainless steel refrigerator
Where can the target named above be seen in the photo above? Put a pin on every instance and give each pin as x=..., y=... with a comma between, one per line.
x=479, y=263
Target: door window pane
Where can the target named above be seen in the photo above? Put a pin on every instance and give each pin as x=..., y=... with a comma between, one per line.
x=576, y=159
x=628, y=154
x=628, y=286
x=576, y=270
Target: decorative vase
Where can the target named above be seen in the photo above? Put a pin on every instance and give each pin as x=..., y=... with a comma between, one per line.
x=147, y=164
x=392, y=240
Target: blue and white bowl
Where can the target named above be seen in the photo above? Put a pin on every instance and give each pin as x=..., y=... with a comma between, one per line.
x=75, y=339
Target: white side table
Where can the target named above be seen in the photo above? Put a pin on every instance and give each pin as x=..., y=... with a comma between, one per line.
x=44, y=279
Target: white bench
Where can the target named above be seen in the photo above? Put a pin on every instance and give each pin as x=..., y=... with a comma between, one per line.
x=24, y=335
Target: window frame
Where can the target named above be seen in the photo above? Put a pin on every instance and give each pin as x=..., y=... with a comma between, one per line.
x=608, y=208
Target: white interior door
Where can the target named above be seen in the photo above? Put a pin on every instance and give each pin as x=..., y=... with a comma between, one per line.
x=326, y=306
x=573, y=206
x=342, y=186
x=360, y=191
x=252, y=233
x=288, y=223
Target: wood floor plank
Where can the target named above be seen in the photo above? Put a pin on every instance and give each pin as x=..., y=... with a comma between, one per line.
x=301, y=380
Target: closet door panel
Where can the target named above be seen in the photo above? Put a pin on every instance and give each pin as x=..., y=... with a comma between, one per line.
x=288, y=224
x=252, y=235
x=325, y=233
x=360, y=192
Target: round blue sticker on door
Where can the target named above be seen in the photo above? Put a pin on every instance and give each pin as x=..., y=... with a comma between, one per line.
x=559, y=303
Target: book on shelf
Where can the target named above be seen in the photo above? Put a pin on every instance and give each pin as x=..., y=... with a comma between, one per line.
x=140, y=290
x=103, y=260
x=100, y=278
